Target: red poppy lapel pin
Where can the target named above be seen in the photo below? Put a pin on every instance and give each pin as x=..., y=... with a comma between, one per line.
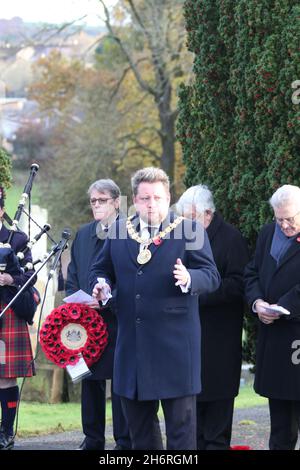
x=157, y=241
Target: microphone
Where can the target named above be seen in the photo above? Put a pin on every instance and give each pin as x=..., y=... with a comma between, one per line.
x=60, y=247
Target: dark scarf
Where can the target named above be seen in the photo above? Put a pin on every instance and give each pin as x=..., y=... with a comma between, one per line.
x=280, y=244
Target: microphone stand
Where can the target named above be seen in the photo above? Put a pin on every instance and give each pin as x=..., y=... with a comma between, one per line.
x=49, y=256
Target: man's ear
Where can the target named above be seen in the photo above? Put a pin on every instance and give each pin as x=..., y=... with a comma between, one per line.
x=117, y=203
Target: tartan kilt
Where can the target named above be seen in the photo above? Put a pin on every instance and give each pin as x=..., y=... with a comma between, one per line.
x=15, y=347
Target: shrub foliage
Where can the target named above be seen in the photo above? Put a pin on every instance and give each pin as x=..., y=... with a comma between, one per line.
x=238, y=126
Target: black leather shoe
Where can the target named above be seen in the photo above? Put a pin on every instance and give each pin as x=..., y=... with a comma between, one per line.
x=6, y=442
x=84, y=446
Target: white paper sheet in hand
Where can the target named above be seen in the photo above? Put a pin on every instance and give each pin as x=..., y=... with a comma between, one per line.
x=277, y=309
x=105, y=289
x=80, y=297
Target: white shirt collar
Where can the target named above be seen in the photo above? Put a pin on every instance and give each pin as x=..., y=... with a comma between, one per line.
x=144, y=224
x=107, y=226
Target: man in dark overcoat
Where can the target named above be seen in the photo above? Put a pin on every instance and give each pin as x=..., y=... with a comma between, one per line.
x=158, y=277
x=104, y=198
x=221, y=316
x=273, y=279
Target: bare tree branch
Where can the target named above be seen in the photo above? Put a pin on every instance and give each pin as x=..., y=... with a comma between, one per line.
x=144, y=85
x=38, y=40
x=140, y=146
x=137, y=16
x=88, y=49
x=132, y=135
x=65, y=26
x=123, y=76
x=136, y=104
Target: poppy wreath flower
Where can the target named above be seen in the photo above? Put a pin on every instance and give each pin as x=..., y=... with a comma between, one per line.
x=240, y=448
x=91, y=335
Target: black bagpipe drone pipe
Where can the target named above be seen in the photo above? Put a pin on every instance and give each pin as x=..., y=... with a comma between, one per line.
x=21, y=254
x=26, y=192
x=10, y=263
x=23, y=300
x=26, y=303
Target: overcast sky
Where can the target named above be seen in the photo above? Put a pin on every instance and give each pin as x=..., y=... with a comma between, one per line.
x=53, y=11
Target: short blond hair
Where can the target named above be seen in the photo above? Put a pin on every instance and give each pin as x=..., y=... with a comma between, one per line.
x=149, y=175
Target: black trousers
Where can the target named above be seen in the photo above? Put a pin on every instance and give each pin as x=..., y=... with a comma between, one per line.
x=285, y=422
x=93, y=406
x=214, y=424
x=180, y=420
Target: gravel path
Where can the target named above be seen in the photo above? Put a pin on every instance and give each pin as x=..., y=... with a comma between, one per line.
x=250, y=427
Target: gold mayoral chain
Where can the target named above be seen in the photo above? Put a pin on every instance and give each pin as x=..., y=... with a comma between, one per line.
x=145, y=254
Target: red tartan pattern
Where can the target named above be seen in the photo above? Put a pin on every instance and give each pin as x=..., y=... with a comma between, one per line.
x=18, y=353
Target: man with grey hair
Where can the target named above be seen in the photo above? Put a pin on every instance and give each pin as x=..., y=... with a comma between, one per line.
x=197, y=203
x=104, y=197
x=273, y=290
x=158, y=281
x=221, y=317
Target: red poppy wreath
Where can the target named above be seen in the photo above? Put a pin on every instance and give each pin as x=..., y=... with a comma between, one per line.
x=70, y=330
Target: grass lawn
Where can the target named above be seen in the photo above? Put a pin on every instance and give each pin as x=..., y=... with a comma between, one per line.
x=42, y=418
x=247, y=398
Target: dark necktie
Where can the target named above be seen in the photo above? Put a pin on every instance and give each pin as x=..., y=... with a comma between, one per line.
x=152, y=230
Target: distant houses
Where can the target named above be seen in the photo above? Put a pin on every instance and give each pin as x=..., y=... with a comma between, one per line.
x=21, y=45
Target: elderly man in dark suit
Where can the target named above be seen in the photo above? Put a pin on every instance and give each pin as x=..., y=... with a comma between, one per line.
x=104, y=198
x=272, y=281
x=159, y=267
x=221, y=316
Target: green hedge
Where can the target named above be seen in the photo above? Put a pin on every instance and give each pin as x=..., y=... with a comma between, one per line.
x=5, y=169
x=239, y=130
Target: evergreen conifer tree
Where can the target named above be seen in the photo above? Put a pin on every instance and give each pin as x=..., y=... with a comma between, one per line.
x=238, y=126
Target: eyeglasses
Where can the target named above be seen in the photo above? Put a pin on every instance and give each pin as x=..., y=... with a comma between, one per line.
x=101, y=201
x=288, y=220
